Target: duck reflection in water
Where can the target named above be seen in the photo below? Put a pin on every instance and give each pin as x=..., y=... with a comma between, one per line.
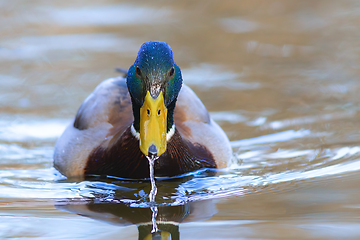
x=122, y=214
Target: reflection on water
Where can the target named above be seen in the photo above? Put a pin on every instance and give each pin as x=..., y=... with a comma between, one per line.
x=152, y=194
x=50, y=46
x=280, y=77
x=119, y=14
x=167, y=219
x=22, y=130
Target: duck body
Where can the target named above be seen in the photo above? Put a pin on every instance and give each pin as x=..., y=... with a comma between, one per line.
x=105, y=137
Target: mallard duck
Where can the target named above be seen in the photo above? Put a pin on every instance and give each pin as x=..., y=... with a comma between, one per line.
x=150, y=113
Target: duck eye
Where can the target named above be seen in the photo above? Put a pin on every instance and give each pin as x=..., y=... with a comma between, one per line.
x=138, y=71
x=148, y=111
x=172, y=71
x=159, y=112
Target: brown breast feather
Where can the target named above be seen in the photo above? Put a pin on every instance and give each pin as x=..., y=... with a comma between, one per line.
x=124, y=159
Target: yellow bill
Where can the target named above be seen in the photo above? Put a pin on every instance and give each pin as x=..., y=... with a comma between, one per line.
x=164, y=235
x=153, y=117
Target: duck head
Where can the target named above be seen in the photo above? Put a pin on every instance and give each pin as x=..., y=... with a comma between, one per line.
x=154, y=82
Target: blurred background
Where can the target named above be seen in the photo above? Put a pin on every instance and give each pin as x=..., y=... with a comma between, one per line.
x=281, y=77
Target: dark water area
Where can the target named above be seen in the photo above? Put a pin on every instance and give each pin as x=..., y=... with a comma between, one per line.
x=280, y=77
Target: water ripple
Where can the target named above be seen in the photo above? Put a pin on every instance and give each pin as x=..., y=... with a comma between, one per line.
x=108, y=15
x=21, y=130
x=255, y=165
x=272, y=138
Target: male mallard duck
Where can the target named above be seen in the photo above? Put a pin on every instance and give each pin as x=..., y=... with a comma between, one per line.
x=150, y=113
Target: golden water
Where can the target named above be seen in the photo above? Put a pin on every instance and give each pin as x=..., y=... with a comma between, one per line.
x=281, y=77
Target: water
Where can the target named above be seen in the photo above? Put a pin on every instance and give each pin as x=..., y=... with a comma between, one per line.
x=280, y=77
x=152, y=194
x=153, y=191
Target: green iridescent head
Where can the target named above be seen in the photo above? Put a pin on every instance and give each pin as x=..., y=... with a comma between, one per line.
x=154, y=70
x=154, y=82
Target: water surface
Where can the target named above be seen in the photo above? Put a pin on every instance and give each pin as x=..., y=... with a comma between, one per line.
x=280, y=77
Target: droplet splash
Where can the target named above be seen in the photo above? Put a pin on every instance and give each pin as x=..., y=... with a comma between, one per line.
x=153, y=193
